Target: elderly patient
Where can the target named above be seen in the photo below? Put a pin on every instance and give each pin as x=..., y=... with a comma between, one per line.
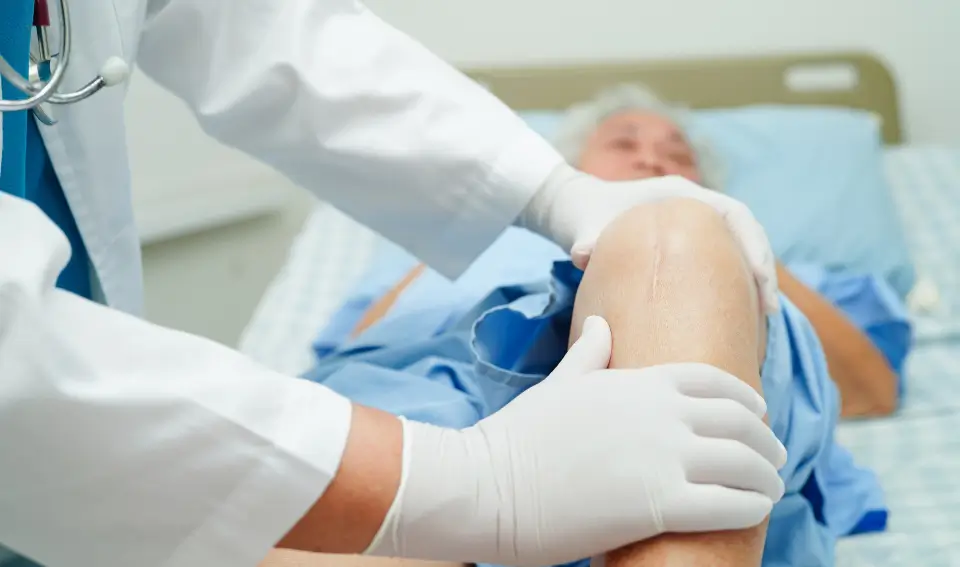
x=629, y=133
x=626, y=133
x=670, y=280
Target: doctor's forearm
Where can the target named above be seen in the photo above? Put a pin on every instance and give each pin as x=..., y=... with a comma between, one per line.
x=346, y=518
x=357, y=112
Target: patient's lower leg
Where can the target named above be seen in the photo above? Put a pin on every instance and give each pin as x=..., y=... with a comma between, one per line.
x=671, y=281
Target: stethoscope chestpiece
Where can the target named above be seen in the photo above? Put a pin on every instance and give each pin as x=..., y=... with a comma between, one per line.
x=41, y=84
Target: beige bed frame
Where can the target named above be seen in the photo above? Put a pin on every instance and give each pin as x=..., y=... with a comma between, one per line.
x=854, y=80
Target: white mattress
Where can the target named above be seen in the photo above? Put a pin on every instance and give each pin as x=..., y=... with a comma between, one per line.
x=330, y=253
x=916, y=453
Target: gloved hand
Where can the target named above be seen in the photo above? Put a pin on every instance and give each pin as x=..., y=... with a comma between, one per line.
x=572, y=209
x=588, y=460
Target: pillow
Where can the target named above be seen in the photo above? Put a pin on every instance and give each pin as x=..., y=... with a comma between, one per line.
x=543, y=122
x=814, y=178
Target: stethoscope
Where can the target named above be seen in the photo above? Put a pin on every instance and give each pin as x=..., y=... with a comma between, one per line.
x=41, y=85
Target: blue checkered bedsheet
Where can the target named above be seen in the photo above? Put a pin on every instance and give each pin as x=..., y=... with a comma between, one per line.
x=917, y=453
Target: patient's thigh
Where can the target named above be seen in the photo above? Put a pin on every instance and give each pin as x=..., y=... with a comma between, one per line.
x=287, y=558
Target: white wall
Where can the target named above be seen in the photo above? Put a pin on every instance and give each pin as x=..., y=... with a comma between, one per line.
x=917, y=38
x=183, y=179
x=215, y=224
x=209, y=283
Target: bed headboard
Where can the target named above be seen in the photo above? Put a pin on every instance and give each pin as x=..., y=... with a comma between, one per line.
x=855, y=80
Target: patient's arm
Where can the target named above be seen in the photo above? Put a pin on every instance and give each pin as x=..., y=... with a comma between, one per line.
x=671, y=281
x=867, y=384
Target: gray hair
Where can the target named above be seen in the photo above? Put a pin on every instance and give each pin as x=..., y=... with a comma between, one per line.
x=583, y=119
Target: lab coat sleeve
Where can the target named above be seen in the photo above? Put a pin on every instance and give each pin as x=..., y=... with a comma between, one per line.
x=125, y=444
x=357, y=112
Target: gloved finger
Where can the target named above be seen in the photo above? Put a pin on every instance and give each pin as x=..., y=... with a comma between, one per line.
x=770, y=300
x=710, y=507
x=771, y=304
x=589, y=353
x=734, y=465
x=581, y=257
x=756, y=249
x=581, y=251
x=726, y=419
x=765, y=273
x=699, y=380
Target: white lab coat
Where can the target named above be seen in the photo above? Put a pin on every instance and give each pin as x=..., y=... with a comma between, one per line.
x=125, y=444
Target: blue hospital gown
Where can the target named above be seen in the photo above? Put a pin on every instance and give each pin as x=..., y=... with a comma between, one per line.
x=451, y=354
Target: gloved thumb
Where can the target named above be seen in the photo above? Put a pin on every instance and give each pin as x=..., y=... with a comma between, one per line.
x=591, y=351
x=581, y=251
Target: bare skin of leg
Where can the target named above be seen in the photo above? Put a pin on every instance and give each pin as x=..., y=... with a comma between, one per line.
x=670, y=280
x=379, y=309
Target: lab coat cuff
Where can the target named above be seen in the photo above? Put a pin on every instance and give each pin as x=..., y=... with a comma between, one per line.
x=511, y=181
x=289, y=479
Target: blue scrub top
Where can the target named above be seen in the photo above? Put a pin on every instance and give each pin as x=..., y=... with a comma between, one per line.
x=26, y=170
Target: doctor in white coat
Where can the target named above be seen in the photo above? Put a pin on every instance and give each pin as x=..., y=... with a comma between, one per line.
x=123, y=444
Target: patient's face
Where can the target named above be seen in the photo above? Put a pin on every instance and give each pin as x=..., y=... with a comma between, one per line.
x=638, y=145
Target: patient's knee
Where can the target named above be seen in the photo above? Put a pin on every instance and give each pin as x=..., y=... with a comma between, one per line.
x=673, y=252
x=670, y=234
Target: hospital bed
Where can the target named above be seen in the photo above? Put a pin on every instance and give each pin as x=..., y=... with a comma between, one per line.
x=917, y=452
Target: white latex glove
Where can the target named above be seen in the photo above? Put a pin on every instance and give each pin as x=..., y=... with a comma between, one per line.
x=572, y=209
x=587, y=461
